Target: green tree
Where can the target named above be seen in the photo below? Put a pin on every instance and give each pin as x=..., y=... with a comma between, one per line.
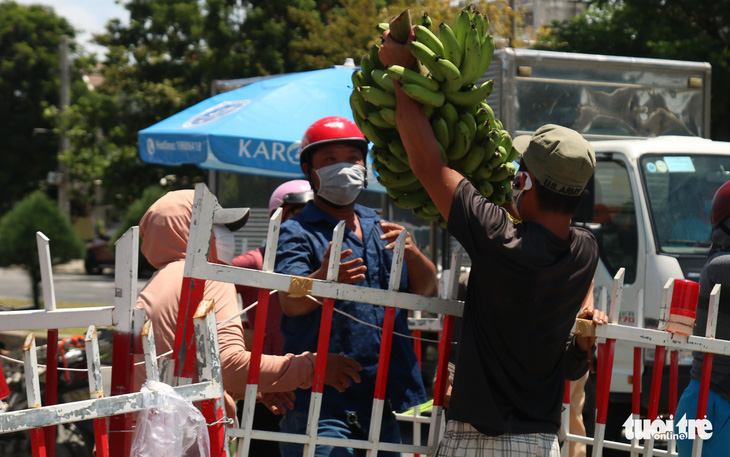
x=18, y=246
x=29, y=82
x=681, y=30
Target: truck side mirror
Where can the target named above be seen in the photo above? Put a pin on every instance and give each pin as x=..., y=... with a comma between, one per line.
x=585, y=211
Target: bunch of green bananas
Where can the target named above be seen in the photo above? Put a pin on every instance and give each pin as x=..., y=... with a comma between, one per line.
x=471, y=140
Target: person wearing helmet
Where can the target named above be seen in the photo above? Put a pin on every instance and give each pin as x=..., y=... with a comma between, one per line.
x=291, y=198
x=332, y=157
x=531, y=272
x=715, y=271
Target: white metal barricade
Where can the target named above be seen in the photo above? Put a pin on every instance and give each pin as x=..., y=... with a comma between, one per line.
x=197, y=268
x=661, y=339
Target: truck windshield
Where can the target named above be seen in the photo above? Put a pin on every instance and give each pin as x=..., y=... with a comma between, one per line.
x=679, y=190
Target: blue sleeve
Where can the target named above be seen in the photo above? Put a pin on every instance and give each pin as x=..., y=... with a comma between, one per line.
x=295, y=253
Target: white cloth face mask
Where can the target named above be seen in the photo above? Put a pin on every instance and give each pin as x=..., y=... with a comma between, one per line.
x=225, y=244
x=341, y=183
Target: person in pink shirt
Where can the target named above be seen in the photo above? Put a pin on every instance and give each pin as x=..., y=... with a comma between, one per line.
x=164, y=230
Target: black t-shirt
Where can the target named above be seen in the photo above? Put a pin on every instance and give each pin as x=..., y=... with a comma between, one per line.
x=525, y=289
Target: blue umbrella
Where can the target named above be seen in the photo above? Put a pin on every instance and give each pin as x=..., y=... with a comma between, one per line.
x=255, y=129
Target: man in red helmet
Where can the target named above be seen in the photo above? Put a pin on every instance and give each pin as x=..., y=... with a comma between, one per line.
x=333, y=159
x=715, y=271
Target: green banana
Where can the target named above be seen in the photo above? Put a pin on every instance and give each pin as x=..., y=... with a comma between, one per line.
x=451, y=115
x=460, y=145
x=426, y=21
x=452, y=50
x=374, y=57
x=388, y=115
x=461, y=28
x=392, y=179
x=427, y=57
x=382, y=80
x=482, y=23
x=408, y=76
x=359, y=104
x=498, y=199
x=398, y=150
x=482, y=131
x=408, y=200
x=485, y=188
x=428, y=111
x=487, y=54
x=423, y=95
x=420, y=212
x=411, y=187
x=483, y=172
x=373, y=134
x=391, y=161
x=490, y=146
x=496, y=159
x=452, y=75
x=471, y=96
x=429, y=207
x=366, y=67
x=382, y=26
x=377, y=97
x=472, y=56
x=470, y=122
x=503, y=187
x=358, y=79
x=427, y=37
x=512, y=155
x=470, y=162
x=504, y=171
x=377, y=120
x=440, y=131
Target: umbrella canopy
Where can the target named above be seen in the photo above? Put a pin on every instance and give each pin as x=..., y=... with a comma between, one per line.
x=255, y=129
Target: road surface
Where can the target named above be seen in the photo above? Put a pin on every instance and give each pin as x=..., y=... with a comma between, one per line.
x=69, y=282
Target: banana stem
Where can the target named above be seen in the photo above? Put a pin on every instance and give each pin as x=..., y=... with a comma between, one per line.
x=400, y=26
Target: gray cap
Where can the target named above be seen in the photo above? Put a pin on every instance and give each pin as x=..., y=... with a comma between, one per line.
x=559, y=158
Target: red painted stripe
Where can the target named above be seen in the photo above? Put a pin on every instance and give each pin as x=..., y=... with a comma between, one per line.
x=704, y=385
x=122, y=373
x=566, y=392
x=259, y=331
x=417, y=346
x=216, y=431
x=325, y=327
x=381, y=380
x=602, y=395
x=51, y=386
x=656, y=382
x=442, y=371
x=636, y=387
x=673, y=381
x=100, y=438
x=190, y=296
x=38, y=443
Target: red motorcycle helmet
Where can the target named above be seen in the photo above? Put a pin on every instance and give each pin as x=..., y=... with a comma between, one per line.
x=330, y=129
x=720, y=209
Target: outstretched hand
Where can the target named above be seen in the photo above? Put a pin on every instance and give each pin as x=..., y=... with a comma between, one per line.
x=350, y=272
x=585, y=343
x=341, y=371
x=277, y=402
x=391, y=231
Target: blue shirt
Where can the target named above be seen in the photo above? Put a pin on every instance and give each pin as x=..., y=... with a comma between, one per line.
x=302, y=243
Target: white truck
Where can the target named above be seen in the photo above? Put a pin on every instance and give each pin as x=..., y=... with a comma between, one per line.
x=656, y=173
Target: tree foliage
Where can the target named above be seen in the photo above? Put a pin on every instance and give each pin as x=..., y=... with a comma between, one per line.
x=681, y=30
x=29, y=81
x=18, y=229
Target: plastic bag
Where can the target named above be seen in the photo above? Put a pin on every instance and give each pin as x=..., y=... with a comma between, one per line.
x=169, y=426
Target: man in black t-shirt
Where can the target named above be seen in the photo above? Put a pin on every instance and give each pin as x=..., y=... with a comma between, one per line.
x=526, y=286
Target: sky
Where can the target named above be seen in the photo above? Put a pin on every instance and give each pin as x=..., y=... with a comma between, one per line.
x=86, y=16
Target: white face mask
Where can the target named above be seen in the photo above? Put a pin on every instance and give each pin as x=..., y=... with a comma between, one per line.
x=341, y=183
x=225, y=245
